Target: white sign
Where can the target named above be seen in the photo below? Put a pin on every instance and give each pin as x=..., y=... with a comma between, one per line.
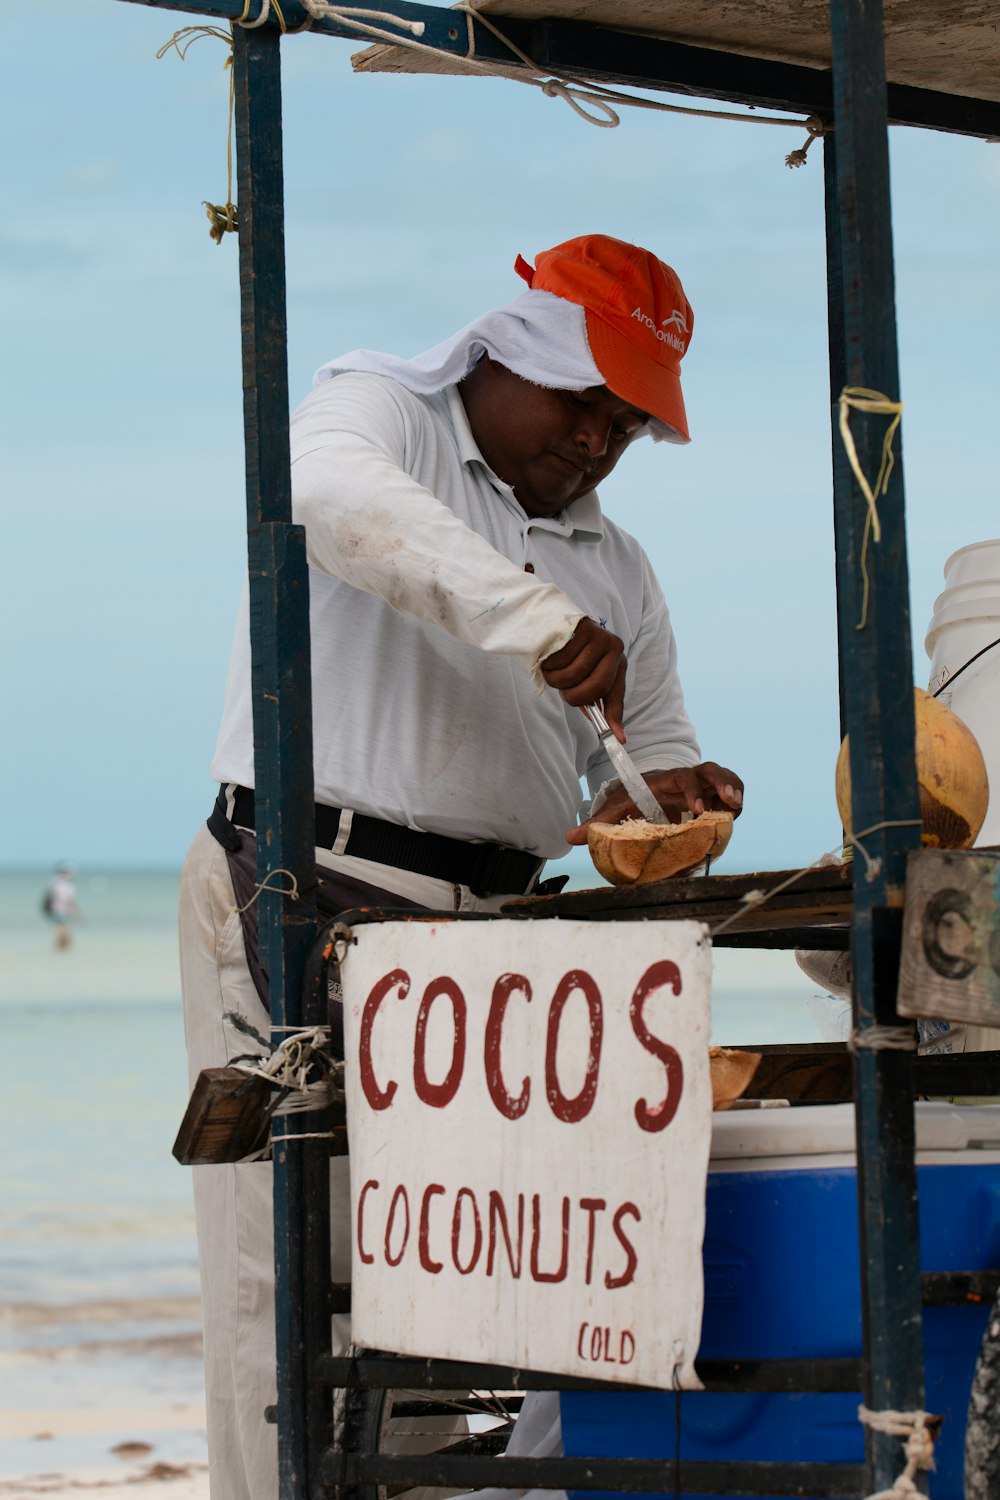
x=529, y=1114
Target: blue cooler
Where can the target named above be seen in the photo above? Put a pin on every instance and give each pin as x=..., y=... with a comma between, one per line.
x=782, y=1282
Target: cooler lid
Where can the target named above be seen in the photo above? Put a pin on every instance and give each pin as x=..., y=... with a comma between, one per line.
x=828, y=1130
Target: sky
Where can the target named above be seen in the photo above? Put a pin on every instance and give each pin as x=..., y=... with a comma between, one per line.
x=407, y=200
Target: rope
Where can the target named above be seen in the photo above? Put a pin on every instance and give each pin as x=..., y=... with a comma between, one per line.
x=289, y=1064
x=183, y=40
x=752, y=899
x=322, y=10
x=873, y=867
x=288, y=1070
x=265, y=885
x=918, y=1446
x=305, y=1135
x=576, y=93
x=289, y=1067
x=342, y=938
x=561, y=88
x=862, y=399
x=223, y=218
x=883, y=1039
x=265, y=11
x=950, y=678
x=816, y=127
x=591, y=101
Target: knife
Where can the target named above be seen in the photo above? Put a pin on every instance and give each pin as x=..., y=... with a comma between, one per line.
x=625, y=767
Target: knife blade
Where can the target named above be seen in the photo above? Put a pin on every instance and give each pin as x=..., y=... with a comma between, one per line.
x=626, y=769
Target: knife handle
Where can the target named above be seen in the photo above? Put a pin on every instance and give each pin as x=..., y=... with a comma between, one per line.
x=596, y=718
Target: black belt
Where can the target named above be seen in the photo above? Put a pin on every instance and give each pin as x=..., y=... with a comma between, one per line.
x=487, y=869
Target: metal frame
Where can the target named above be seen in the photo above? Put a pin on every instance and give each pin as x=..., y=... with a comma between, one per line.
x=876, y=678
x=876, y=668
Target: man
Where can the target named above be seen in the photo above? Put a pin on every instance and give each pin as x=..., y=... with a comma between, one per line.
x=467, y=597
x=59, y=905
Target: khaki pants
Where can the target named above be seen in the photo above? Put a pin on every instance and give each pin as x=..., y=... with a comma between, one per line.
x=233, y=1203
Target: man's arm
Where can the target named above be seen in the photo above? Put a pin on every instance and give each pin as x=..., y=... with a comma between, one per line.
x=707, y=787
x=370, y=523
x=660, y=736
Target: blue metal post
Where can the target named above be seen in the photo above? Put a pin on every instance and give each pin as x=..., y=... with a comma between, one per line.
x=282, y=710
x=877, y=699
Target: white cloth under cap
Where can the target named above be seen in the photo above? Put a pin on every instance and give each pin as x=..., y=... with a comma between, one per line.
x=541, y=337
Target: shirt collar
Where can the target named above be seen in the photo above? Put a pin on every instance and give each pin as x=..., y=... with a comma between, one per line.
x=583, y=515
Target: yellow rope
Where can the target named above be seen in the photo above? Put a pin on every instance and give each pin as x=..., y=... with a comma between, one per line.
x=223, y=218
x=183, y=40
x=862, y=399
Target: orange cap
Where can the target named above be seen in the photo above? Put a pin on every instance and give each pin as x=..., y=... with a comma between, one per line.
x=639, y=321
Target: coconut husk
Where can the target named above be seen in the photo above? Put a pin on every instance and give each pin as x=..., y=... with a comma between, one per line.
x=732, y=1071
x=634, y=852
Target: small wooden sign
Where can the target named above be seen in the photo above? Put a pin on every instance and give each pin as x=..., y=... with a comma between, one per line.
x=226, y=1118
x=529, y=1111
x=950, y=965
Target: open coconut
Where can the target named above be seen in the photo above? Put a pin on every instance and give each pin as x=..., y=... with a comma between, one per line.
x=731, y=1071
x=951, y=774
x=637, y=851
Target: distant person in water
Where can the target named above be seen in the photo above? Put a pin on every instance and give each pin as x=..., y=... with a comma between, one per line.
x=59, y=904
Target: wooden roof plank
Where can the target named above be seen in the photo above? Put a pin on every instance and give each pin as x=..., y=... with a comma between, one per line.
x=943, y=71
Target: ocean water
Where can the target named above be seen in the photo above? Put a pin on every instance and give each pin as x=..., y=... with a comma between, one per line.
x=99, y=1316
x=98, y=1266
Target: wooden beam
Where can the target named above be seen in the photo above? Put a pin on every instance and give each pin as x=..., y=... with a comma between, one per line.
x=600, y=53
x=622, y=57
x=803, y=901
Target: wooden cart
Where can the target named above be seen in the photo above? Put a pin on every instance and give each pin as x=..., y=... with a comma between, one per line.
x=930, y=63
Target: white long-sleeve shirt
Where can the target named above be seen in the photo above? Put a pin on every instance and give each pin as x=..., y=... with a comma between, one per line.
x=427, y=632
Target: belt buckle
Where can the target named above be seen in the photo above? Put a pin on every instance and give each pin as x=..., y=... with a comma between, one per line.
x=489, y=862
x=500, y=857
x=491, y=867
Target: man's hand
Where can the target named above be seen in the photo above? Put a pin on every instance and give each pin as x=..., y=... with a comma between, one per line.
x=590, y=668
x=693, y=789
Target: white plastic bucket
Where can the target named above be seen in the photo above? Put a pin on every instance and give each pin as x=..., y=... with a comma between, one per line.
x=966, y=618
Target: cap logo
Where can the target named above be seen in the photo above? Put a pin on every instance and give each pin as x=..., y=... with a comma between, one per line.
x=665, y=333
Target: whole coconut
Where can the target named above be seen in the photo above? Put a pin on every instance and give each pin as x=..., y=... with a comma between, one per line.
x=951, y=775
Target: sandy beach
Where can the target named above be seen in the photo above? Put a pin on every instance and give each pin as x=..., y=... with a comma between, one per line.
x=111, y=1402
x=136, y=1452
x=130, y=1467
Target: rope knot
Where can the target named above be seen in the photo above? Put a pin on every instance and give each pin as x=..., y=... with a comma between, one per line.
x=222, y=219
x=816, y=127
x=555, y=88
x=883, y=1039
x=917, y=1429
